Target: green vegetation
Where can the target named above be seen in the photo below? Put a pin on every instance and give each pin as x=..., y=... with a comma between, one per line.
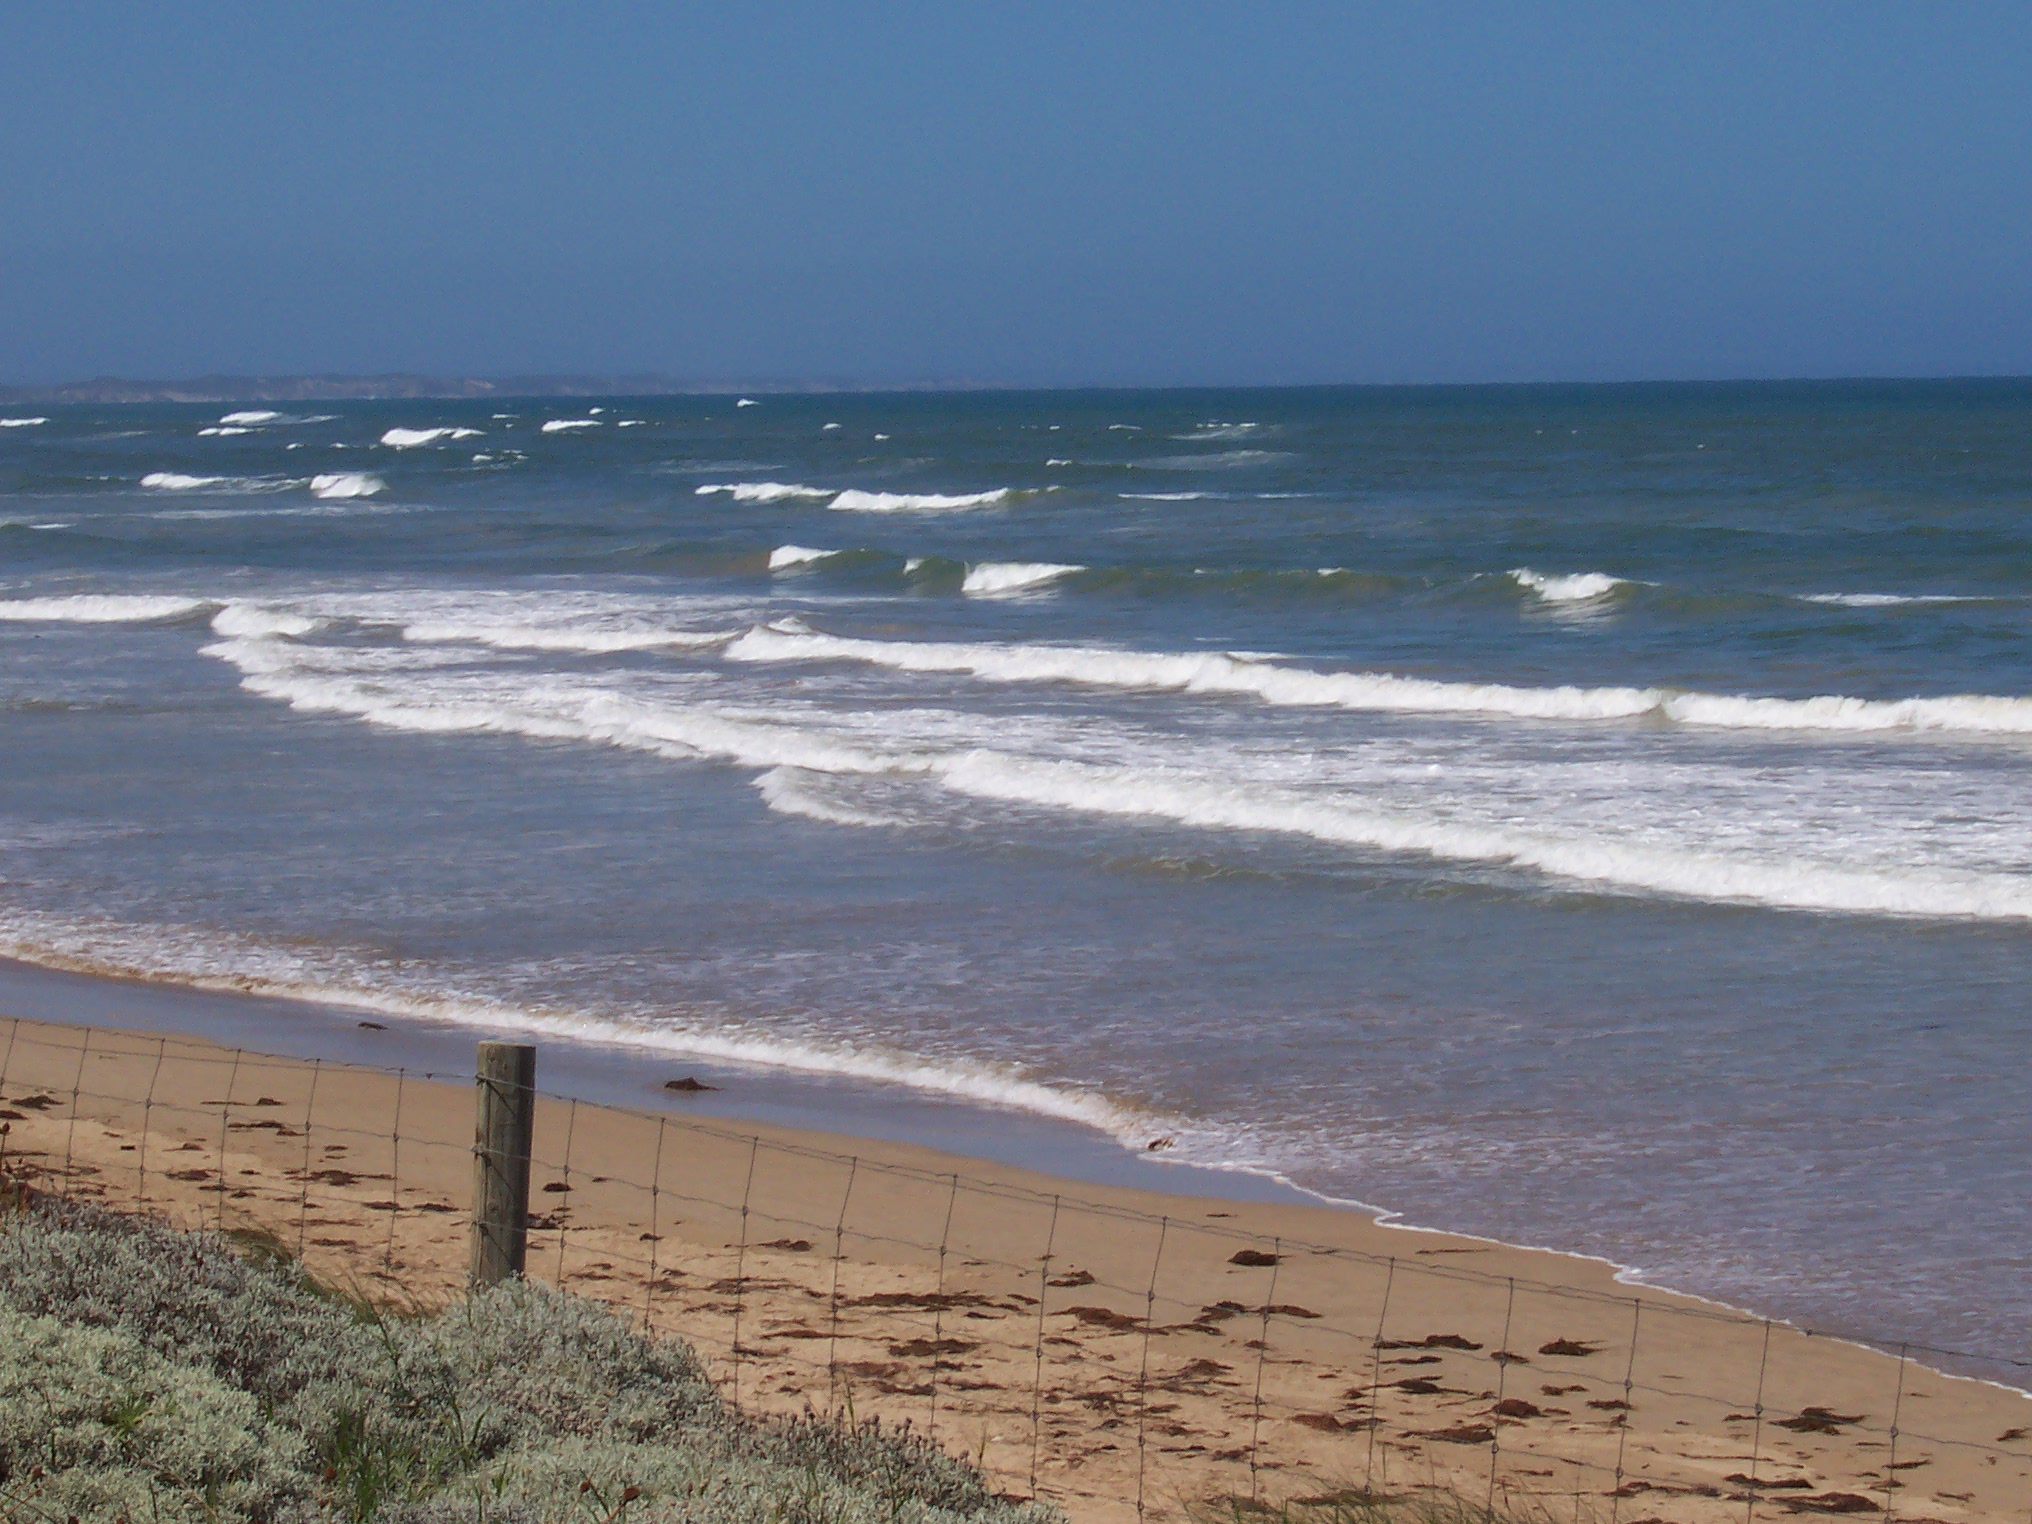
x=153, y=1376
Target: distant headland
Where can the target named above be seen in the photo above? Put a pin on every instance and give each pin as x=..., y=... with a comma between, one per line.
x=343, y=388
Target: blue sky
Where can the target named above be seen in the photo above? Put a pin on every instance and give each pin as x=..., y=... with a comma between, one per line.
x=1034, y=194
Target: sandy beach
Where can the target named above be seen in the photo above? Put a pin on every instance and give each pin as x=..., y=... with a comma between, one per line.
x=1123, y=1352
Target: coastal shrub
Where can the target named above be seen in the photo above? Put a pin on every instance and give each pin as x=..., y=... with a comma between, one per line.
x=148, y=1373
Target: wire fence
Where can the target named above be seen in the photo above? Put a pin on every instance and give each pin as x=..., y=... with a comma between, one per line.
x=1116, y=1360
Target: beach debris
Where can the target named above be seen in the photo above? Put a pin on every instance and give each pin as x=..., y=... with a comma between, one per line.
x=556, y=1187
x=1220, y=1312
x=1611, y=1405
x=1517, y=1407
x=1832, y=1502
x=917, y=1348
x=268, y=1100
x=1775, y=1484
x=1102, y=1317
x=1252, y=1258
x=1419, y=1386
x=1287, y=1310
x=1158, y=1145
x=1813, y=1421
x=789, y=1245
x=1430, y=1341
x=1509, y=1357
x=372, y=1026
x=1460, y=1434
x=1571, y=1348
x=689, y=1085
x=36, y=1102
x=1072, y=1278
x=1326, y=1423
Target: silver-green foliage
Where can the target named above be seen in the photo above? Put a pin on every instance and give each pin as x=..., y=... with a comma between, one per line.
x=202, y=1383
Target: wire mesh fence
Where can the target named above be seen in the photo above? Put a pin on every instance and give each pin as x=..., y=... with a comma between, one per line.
x=1118, y=1357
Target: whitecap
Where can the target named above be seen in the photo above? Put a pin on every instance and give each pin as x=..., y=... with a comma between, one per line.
x=747, y=402
x=176, y=481
x=222, y=428
x=1579, y=587
x=784, y=556
x=828, y=428
x=100, y=608
x=408, y=439
x=995, y=577
x=563, y=425
x=1165, y=497
x=763, y=492
x=345, y=484
x=856, y=501
x=249, y=621
x=253, y=416
x=21, y=423
x=1888, y=600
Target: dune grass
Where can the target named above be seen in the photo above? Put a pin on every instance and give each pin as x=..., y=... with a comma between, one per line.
x=154, y=1376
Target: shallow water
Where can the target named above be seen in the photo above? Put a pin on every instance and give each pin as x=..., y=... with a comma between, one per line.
x=1594, y=817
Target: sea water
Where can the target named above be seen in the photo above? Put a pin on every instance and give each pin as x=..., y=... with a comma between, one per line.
x=1591, y=817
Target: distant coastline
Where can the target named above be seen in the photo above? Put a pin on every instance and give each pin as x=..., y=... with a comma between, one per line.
x=106, y=390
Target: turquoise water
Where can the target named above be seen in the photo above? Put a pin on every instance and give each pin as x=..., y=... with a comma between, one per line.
x=1596, y=817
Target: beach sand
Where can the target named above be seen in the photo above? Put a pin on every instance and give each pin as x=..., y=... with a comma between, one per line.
x=1126, y=1353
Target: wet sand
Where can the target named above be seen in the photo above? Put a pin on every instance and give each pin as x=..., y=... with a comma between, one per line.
x=1119, y=1350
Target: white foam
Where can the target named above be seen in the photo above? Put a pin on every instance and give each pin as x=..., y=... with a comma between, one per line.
x=1580, y=587
x=253, y=416
x=763, y=492
x=747, y=402
x=828, y=428
x=788, y=791
x=211, y=961
x=1887, y=600
x=251, y=622
x=561, y=425
x=1230, y=674
x=100, y=608
x=1164, y=497
x=593, y=639
x=409, y=439
x=176, y=481
x=224, y=429
x=631, y=423
x=1221, y=431
x=21, y=423
x=993, y=577
x=1785, y=883
x=856, y=501
x=345, y=484
x=797, y=555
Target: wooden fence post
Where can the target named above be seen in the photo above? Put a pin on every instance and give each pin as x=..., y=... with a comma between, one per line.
x=504, y=1132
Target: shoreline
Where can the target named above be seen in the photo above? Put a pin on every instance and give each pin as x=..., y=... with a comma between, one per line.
x=1685, y=1402
x=842, y=1106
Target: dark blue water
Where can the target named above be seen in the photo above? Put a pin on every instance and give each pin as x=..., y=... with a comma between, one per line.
x=1597, y=817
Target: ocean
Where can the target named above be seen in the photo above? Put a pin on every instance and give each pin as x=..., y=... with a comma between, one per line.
x=1591, y=817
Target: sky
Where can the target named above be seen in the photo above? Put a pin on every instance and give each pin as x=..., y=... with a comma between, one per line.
x=1036, y=194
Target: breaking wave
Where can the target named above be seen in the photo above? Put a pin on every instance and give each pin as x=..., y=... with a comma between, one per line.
x=564, y=425
x=100, y=608
x=855, y=501
x=992, y=577
x=306, y=680
x=1234, y=675
x=763, y=492
x=176, y=481
x=345, y=484
x=409, y=439
x=21, y=423
x=1578, y=587
x=786, y=556
x=252, y=416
